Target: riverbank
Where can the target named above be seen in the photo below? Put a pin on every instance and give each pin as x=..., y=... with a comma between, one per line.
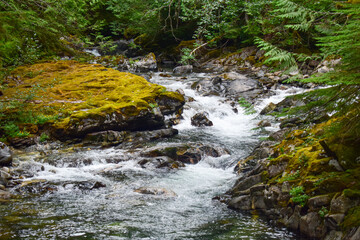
x=82, y=94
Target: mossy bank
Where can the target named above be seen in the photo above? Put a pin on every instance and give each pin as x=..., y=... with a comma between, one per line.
x=305, y=179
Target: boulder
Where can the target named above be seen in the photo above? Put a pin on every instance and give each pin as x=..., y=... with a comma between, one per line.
x=190, y=154
x=170, y=102
x=91, y=98
x=201, y=119
x=6, y=155
x=312, y=225
x=240, y=203
x=147, y=63
x=183, y=69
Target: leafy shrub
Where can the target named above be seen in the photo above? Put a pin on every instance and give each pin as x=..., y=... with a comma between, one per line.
x=298, y=195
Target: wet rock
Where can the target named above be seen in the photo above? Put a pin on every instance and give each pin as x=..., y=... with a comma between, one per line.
x=247, y=182
x=293, y=222
x=4, y=195
x=240, y=203
x=341, y=204
x=334, y=235
x=264, y=123
x=160, y=162
x=317, y=202
x=276, y=169
x=120, y=47
x=312, y=225
x=22, y=142
x=105, y=137
x=333, y=221
x=147, y=63
x=145, y=120
x=268, y=109
x=355, y=235
x=183, y=69
x=242, y=85
x=146, y=136
x=291, y=122
x=156, y=191
x=6, y=155
x=191, y=154
x=200, y=120
x=170, y=103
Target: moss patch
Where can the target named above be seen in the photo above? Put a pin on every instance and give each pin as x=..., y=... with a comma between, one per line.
x=76, y=91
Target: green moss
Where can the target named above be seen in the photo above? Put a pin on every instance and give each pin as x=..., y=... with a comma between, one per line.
x=74, y=91
x=351, y=193
x=352, y=219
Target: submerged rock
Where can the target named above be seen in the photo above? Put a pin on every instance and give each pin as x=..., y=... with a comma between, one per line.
x=156, y=191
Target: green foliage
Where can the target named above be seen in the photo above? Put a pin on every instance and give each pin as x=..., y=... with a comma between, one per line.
x=44, y=137
x=186, y=56
x=13, y=131
x=323, y=212
x=248, y=107
x=298, y=195
x=275, y=54
x=291, y=177
x=343, y=39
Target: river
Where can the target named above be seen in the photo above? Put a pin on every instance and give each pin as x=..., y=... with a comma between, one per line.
x=111, y=209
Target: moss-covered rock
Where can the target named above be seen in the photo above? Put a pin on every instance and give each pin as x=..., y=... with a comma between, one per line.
x=85, y=98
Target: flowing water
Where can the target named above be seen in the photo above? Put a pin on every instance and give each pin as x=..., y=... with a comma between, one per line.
x=80, y=209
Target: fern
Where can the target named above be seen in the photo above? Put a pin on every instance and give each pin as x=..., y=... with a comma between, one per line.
x=275, y=54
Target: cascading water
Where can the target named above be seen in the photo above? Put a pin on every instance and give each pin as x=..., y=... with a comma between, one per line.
x=95, y=197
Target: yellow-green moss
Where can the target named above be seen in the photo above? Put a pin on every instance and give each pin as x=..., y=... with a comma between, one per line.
x=352, y=219
x=77, y=91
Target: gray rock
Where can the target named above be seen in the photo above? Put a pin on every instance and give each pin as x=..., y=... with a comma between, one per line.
x=323, y=69
x=247, y=182
x=336, y=165
x=4, y=195
x=317, y=202
x=333, y=221
x=201, y=119
x=241, y=203
x=147, y=63
x=242, y=85
x=6, y=155
x=341, y=204
x=334, y=235
x=105, y=137
x=185, y=153
x=356, y=235
x=293, y=222
x=258, y=202
x=183, y=69
x=312, y=225
x=268, y=109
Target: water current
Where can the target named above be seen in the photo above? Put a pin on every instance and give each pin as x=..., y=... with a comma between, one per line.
x=115, y=211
